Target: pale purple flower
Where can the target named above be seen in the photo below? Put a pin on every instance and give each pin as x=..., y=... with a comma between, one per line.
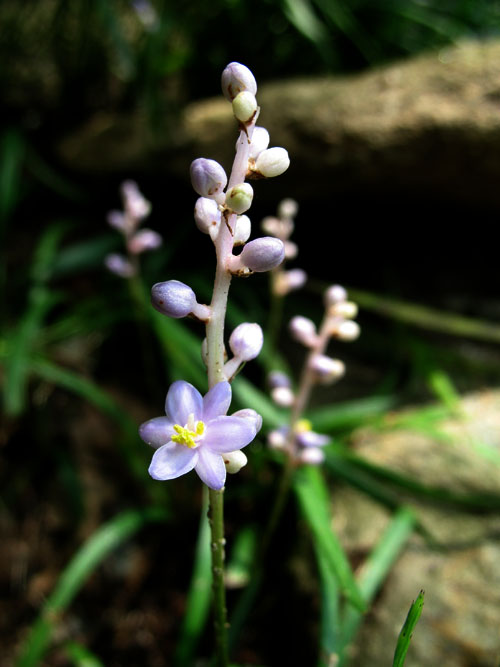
x=196, y=433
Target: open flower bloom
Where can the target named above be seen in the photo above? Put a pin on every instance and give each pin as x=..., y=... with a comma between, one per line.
x=196, y=433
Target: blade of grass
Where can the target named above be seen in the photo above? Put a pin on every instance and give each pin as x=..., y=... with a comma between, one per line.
x=90, y=555
x=375, y=570
x=406, y=633
x=330, y=612
x=350, y=414
x=199, y=595
x=81, y=656
x=312, y=494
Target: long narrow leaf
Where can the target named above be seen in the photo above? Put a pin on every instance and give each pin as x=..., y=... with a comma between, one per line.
x=406, y=633
x=314, y=503
x=86, y=560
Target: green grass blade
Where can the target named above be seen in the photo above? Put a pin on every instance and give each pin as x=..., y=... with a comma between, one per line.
x=80, y=656
x=376, y=568
x=90, y=555
x=200, y=593
x=406, y=633
x=350, y=414
x=330, y=612
x=314, y=502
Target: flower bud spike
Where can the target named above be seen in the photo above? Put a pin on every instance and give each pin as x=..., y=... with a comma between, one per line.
x=208, y=177
x=235, y=79
x=177, y=299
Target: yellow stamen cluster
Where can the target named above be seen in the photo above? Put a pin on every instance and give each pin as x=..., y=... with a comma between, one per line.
x=185, y=434
x=302, y=426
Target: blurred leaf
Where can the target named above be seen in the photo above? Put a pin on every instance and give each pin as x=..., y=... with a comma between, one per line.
x=330, y=611
x=427, y=318
x=314, y=502
x=442, y=386
x=243, y=553
x=376, y=568
x=12, y=151
x=83, y=256
x=405, y=635
x=348, y=415
x=83, y=564
x=81, y=656
x=200, y=593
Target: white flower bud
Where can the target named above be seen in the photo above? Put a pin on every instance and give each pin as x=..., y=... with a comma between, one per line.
x=234, y=461
x=276, y=439
x=235, y=79
x=119, y=265
x=246, y=341
x=348, y=330
x=260, y=141
x=251, y=415
x=244, y=106
x=207, y=216
x=291, y=250
x=303, y=330
x=286, y=281
x=272, y=162
x=288, y=208
x=345, y=309
x=335, y=294
x=312, y=456
x=326, y=369
x=208, y=177
x=263, y=254
x=116, y=219
x=145, y=239
x=283, y=396
x=173, y=298
x=242, y=230
x=239, y=198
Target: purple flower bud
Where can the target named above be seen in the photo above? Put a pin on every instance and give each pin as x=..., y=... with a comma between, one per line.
x=335, y=294
x=277, y=438
x=246, y=341
x=145, y=239
x=116, y=219
x=173, y=298
x=239, y=198
x=207, y=216
x=244, y=106
x=327, y=369
x=263, y=254
x=312, y=439
x=252, y=415
x=119, y=265
x=278, y=379
x=260, y=141
x=235, y=79
x=135, y=203
x=303, y=330
x=272, y=162
x=208, y=177
x=286, y=281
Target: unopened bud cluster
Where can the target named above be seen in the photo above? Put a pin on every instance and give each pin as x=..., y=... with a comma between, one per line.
x=135, y=209
x=282, y=227
x=299, y=441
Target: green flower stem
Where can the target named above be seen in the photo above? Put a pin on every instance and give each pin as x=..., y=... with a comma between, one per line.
x=216, y=520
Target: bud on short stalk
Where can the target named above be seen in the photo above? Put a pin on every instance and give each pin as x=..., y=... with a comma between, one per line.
x=326, y=369
x=335, y=294
x=246, y=343
x=234, y=461
x=287, y=281
x=303, y=330
x=207, y=216
x=208, y=178
x=177, y=299
x=259, y=143
x=288, y=208
x=272, y=162
x=144, y=240
x=259, y=255
x=347, y=330
x=242, y=230
x=235, y=79
x=119, y=265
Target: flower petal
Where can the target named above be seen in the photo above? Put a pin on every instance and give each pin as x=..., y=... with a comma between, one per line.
x=217, y=401
x=156, y=432
x=312, y=439
x=182, y=400
x=225, y=434
x=172, y=460
x=211, y=469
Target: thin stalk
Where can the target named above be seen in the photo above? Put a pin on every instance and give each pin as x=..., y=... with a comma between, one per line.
x=215, y=369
